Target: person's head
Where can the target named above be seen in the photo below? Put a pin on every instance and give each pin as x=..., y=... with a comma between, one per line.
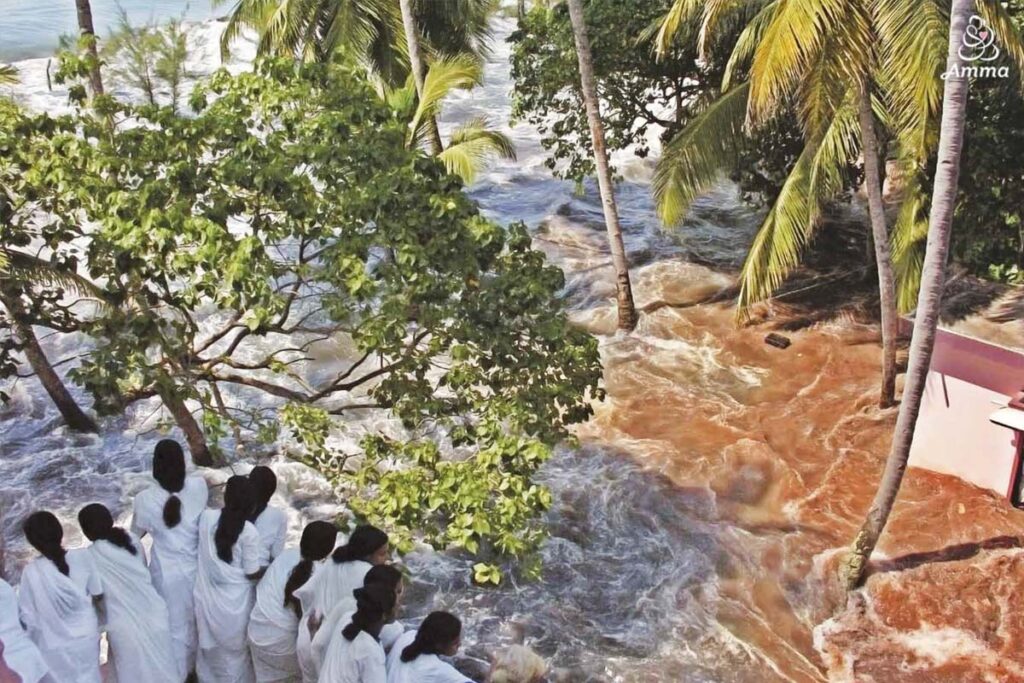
x=386, y=575
x=237, y=504
x=367, y=543
x=517, y=664
x=169, y=472
x=98, y=525
x=439, y=634
x=264, y=484
x=374, y=605
x=317, y=542
x=44, y=533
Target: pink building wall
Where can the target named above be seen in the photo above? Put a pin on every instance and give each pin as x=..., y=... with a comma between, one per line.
x=969, y=380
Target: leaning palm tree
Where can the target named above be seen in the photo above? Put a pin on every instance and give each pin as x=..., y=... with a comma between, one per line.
x=627, y=316
x=471, y=145
x=418, y=66
x=933, y=281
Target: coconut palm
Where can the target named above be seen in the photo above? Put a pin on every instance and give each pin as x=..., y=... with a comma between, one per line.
x=8, y=74
x=418, y=66
x=88, y=33
x=627, y=316
x=471, y=145
x=933, y=281
x=845, y=66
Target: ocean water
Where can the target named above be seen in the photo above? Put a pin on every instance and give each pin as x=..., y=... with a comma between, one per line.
x=31, y=28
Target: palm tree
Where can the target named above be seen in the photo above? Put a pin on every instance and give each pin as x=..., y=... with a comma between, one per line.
x=472, y=144
x=933, y=280
x=88, y=33
x=846, y=65
x=627, y=316
x=8, y=74
x=418, y=66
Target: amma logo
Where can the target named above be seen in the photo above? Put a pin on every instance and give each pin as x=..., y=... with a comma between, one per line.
x=978, y=48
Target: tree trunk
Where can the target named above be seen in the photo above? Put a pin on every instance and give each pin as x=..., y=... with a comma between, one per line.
x=624, y=291
x=73, y=415
x=929, y=301
x=521, y=9
x=85, y=27
x=883, y=254
x=190, y=428
x=419, y=68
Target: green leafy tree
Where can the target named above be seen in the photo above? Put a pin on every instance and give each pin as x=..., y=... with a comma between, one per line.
x=149, y=58
x=289, y=216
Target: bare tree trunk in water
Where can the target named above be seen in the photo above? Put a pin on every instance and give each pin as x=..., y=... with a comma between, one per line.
x=883, y=254
x=624, y=290
x=190, y=428
x=521, y=9
x=929, y=301
x=73, y=415
x=419, y=68
x=85, y=27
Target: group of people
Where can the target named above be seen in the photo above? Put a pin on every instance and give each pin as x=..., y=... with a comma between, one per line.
x=221, y=599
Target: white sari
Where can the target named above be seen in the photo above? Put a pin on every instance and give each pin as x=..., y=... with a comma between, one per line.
x=423, y=669
x=338, y=619
x=58, y=613
x=272, y=525
x=330, y=585
x=20, y=654
x=360, y=660
x=224, y=597
x=137, y=624
x=274, y=627
x=173, y=558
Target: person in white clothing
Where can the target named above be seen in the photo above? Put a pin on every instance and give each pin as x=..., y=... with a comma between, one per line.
x=229, y=549
x=274, y=622
x=56, y=602
x=138, y=627
x=271, y=522
x=366, y=547
x=355, y=655
x=169, y=513
x=384, y=574
x=419, y=659
x=18, y=653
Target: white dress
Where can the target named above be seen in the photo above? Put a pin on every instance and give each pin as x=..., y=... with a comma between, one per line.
x=272, y=525
x=173, y=558
x=224, y=597
x=20, y=654
x=328, y=586
x=137, y=624
x=59, y=616
x=360, y=660
x=274, y=627
x=423, y=669
x=339, y=618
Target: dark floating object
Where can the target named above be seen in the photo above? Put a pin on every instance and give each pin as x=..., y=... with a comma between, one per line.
x=777, y=340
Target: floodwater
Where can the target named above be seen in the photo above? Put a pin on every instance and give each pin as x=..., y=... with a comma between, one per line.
x=694, y=529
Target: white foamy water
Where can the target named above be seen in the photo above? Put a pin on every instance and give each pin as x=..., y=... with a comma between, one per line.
x=629, y=587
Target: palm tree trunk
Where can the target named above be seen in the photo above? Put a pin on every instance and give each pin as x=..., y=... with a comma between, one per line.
x=190, y=428
x=73, y=415
x=624, y=290
x=85, y=27
x=880, y=238
x=419, y=68
x=521, y=9
x=929, y=301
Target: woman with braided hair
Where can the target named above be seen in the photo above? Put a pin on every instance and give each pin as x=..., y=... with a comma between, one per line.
x=274, y=622
x=355, y=654
x=416, y=657
x=137, y=625
x=229, y=550
x=56, y=604
x=169, y=513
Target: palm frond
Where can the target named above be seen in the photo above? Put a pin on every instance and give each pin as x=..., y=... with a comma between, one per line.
x=790, y=44
x=694, y=159
x=747, y=43
x=8, y=74
x=909, y=234
x=816, y=179
x=679, y=15
x=30, y=269
x=1006, y=31
x=472, y=145
x=446, y=74
x=721, y=19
